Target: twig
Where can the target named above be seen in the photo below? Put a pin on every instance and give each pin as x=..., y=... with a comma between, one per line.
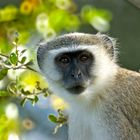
x=19, y=67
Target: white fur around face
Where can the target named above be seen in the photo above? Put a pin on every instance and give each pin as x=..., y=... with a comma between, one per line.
x=49, y=69
x=88, y=124
x=103, y=71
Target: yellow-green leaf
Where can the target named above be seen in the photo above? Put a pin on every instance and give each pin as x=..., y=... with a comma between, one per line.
x=23, y=59
x=13, y=58
x=3, y=73
x=23, y=102
x=52, y=118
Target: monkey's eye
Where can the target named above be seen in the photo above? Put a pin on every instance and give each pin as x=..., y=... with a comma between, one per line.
x=63, y=60
x=84, y=58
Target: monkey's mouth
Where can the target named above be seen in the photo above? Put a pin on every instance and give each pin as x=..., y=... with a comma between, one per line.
x=76, y=89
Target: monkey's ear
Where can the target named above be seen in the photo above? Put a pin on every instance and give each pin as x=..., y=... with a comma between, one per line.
x=109, y=44
x=40, y=55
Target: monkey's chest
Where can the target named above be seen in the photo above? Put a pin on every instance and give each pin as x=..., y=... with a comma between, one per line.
x=88, y=126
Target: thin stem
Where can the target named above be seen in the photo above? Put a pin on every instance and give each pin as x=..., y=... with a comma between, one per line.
x=31, y=69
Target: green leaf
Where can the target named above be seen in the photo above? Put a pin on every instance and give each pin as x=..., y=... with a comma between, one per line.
x=46, y=94
x=12, y=87
x=38, y=85
x=52, y=118
x=33, y=100
x=3, y=73
x=23, y=59
x=23, y=51
x=36, y=99
x=4, y=93
x=25, y=92
x=23, y=102
x=70, y=22
x=7, y=62
x=88, y=13
x=16, y=40
x=14, y=58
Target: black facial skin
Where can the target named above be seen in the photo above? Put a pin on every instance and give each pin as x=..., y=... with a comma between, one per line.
x=75, y=68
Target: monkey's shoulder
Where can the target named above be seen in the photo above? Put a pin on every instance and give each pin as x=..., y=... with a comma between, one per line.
x=127, y=85
x=127, y=94
x=128, y=78
x=124, y=103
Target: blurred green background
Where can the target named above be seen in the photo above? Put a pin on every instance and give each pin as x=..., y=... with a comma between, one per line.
x=23, y=24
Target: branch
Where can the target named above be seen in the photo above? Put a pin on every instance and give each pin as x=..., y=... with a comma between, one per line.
x=23, y=66
x=135, y=2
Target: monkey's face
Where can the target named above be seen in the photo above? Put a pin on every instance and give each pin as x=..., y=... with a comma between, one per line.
x=77, y=64
x=75, y=68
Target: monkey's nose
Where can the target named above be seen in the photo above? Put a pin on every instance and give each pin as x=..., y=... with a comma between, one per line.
x=76, y=75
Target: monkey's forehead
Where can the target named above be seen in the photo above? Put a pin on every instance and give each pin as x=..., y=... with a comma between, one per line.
x=71, y=40
x=65, y=41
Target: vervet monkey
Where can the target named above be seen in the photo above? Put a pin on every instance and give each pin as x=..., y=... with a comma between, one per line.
x=104, y=98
